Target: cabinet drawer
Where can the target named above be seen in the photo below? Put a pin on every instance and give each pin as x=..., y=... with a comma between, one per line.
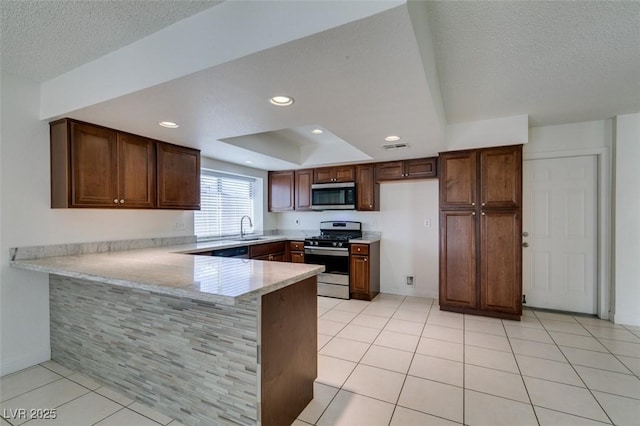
x=359, y=248
x=296, y=245
x=266, y=249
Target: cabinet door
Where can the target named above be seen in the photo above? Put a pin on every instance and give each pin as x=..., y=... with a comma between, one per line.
x=281, y=191
x=367, y=190
x=136, y=171
x=94, y=166
x=501, y=262
x=297, y=257
x=420, y=168
x=390, y=170
x=178, y=174
x=458, y=180
x=359, y=274
x=501, y=177
x=344, y=174
x=323, y=175
x=458, y=268
x=303, y=181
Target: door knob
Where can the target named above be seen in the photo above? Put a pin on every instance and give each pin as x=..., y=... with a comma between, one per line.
x=525, y=234
x=525, y=244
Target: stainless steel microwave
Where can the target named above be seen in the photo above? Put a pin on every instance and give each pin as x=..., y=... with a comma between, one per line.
x=333, y=196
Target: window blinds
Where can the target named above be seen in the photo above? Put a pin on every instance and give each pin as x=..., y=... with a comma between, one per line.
x=224, y=200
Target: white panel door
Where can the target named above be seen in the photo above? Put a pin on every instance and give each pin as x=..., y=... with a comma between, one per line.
x=559, y=266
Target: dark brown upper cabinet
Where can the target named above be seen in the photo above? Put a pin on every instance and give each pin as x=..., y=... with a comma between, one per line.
x=334, y=174
x=303, y=182
x=281, y=191
x=97, y=167
x=178, y=177
x=419, y=168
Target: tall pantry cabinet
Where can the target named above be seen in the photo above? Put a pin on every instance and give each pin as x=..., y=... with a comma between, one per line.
x=481, y=231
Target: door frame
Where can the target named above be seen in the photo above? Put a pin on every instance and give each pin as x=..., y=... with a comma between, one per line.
x=604, y=289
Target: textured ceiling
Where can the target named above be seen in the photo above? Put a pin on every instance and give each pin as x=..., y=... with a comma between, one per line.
x=43, y=39
x=361, y=81
x=557, y=61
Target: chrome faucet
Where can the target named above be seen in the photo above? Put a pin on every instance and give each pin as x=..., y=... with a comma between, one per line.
x=241, y=222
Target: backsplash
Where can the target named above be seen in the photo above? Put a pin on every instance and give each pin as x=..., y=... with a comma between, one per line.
x=38, y=252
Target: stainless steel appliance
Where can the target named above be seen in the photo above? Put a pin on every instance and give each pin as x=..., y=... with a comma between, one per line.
x=331, y=249
x=333, y=196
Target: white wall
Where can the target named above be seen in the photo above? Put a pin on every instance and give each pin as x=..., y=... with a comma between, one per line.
x=586, y=138
x=627, y=226
x=407, y=246
x=28, y=220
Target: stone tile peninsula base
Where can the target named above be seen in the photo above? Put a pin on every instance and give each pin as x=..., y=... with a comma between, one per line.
x=199, y=362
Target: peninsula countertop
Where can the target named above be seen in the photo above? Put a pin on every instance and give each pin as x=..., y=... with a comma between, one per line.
x=169, y=270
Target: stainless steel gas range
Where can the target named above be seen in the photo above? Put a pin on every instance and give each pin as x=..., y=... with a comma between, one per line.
x=331, y=249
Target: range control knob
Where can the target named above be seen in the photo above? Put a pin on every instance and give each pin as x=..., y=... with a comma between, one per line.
x=335, y=244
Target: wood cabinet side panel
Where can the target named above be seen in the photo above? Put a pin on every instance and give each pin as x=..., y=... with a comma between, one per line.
x=288, y=349
x=60, y=167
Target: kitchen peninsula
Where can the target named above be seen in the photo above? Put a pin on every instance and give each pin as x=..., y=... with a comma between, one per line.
x=202, y=339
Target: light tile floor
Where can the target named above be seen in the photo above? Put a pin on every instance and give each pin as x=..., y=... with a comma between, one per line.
x=401, y=361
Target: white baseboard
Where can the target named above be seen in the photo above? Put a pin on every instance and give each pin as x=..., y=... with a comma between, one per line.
x=627, y=319
x=8, y=366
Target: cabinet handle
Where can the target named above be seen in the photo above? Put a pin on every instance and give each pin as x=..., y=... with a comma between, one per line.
x=473, y=213
x=473, y=204
x=483, y=204
x=365, y=259
x=115, y=201
x=482, y=213
x=370, y=205
x=121, y=201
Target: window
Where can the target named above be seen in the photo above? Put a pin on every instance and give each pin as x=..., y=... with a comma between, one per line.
x=224, y=200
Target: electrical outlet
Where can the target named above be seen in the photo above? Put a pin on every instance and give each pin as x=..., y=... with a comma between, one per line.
x=297, y=221
x=179, y=226
x=409, y=279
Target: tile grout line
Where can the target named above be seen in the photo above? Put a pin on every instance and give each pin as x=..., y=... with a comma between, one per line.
x=578, y=374
x=524, y=384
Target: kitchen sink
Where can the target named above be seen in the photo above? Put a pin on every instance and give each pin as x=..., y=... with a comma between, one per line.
x=249, y=239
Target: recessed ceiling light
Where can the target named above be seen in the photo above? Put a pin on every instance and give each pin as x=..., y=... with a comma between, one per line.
x=317, y=131
x=281, y=100
x=169, y=124
x=392, y=138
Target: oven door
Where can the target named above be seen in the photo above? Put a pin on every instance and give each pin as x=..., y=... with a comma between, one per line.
x=334, y=282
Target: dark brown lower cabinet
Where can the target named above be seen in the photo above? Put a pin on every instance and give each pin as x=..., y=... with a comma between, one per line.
x=501, y=262
x=458, y=268
x=481, y=262
x=364, y=271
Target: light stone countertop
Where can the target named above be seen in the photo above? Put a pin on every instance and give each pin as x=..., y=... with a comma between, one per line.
x=167, y=270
